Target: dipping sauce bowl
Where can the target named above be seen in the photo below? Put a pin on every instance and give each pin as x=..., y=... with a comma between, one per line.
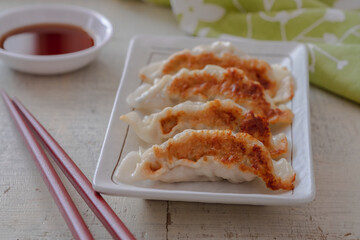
x=50, y=58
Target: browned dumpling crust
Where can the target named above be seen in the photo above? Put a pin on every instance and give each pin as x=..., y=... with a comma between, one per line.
x=216, y=114
x=234, y=85
x=275, y=79
x=240, y=150
x=221, y=116
x=255, y=69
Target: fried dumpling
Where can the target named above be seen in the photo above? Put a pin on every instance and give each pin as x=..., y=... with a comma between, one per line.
x=285, y=91
x=225, y=55
x=208, y=155
x=212, y=82
x=216, y=114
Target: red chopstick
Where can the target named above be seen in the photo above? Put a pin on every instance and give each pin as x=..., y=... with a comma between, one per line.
x=94, y=200
x=62, y=198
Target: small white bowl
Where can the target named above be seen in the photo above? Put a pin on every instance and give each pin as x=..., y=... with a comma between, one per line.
x=95, y=24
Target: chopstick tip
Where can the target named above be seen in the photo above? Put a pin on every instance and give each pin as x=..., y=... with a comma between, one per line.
x=2, y=91
x=4, y=95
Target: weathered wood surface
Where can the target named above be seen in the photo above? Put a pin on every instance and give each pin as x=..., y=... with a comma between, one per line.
x=75, y=108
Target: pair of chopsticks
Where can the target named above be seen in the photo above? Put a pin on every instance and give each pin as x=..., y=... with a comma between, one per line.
x=27, y=125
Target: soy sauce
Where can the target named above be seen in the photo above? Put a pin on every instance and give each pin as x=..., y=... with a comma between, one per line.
x=46, y=39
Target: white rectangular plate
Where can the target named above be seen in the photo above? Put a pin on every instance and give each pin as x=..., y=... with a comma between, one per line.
x=120, y=140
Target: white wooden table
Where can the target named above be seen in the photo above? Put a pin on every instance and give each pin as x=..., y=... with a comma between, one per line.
x=75, y=108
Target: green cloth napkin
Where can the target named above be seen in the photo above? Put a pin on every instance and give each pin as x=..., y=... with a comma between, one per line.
x=330, y=29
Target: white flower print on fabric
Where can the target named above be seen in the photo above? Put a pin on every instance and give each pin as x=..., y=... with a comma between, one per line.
x=193, y=11
x=352, y=31
x=298, y=3
x=334, y=15
x=330, y=38
x=331, y=15
x=282, y=17
x=249, y=26
x=340, y=64
x=203, y=32
x=238, y=6
x=268, y=4
x=333, y=39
